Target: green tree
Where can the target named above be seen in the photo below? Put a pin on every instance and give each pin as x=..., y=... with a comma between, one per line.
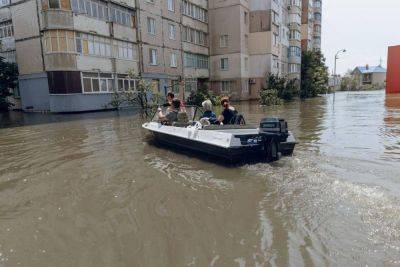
x=314, y=74
x=8, y=82
x=201, y=94
x=278, y=88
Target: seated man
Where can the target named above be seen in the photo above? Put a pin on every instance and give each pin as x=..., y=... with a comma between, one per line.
x=170, y=97
x=172, y=116
x=227, y=113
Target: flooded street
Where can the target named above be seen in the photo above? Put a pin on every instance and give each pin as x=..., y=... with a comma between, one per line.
x=88, y=190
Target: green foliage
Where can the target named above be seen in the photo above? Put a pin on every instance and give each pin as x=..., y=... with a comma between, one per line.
x=278, y=89
x=8, y=81
x=140, y=97
x=270, y=97
x=314, y=74
x=197, y=97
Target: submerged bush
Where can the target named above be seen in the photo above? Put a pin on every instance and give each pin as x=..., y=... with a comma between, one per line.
x=270, y=97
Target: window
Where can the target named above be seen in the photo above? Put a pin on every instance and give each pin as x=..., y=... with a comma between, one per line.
x=195, y=61
x=294, y=68
x=194, y=11
x=295, y=34
x=173, y=60
x=105, y=82
x=194, y=36
x=225, y=87
x=122, y=15
x=224, y=64
x=275, y=39
x=6, y=29
x=151, y=26
x=246, y=41
x=245, y=87
x=275, y=18
x=295, y=3
x=4, y=3
x=172, y=31
x=223, y=40
x=317, y=16
x=246, y=17
x=88, y=44
x=54, y=4
x=153, y=56
x=317, y=29
x=295, y=19
x=59, y=41
x=246, y=63
x=294, y=51
x=171, y=6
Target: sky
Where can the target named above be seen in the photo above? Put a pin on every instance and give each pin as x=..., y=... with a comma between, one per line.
x=365, y=28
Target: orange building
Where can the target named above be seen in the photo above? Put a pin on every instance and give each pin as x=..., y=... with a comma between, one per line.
x=393, y=70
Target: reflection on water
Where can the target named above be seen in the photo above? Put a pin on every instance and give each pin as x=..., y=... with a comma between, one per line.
x=88, y=190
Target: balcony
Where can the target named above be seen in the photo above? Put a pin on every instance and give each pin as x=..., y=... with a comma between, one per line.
x=57, y=19
x=60, y=61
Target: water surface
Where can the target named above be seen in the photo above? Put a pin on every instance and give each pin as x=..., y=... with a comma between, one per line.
x=88, y=190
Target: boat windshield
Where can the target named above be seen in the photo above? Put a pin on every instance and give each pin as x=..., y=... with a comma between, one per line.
x=194, y=113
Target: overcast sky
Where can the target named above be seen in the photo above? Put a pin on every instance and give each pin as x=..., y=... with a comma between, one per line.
x=364, y=27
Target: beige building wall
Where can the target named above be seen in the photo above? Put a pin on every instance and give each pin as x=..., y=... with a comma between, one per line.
x=230, y=43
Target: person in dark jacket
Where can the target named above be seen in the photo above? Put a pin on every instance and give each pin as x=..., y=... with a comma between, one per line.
x=227, y=113
x=171, y=116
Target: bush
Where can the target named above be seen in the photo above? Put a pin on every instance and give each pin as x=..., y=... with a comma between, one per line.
x=270, y=97
x=8, y=81
x=286, y=89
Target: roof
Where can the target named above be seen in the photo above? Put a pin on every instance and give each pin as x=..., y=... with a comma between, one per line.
x=371, y=69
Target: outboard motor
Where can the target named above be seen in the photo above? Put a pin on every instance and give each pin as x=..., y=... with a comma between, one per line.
x=273, y=131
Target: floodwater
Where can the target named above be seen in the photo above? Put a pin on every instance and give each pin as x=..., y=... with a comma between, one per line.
x=87, y=190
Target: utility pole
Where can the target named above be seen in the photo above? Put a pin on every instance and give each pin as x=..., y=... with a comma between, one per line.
x=335, y=74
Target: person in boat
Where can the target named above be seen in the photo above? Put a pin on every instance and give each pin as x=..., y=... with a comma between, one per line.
x=208, y=113
x=228, y=112
x=172, y=115
x=170, y=97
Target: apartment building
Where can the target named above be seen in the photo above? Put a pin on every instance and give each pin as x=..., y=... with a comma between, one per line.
x=72, y=53
x=229, y=48
x=174, y=44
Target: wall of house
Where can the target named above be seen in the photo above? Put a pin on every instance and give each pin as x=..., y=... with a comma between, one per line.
x=393, y=71
x=379, y=78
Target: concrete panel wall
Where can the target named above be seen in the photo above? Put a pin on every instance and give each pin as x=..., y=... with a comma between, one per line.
x=195, y=24
x=225, y=22
x=90, y=63
x=57, y=19
x=175, y=44
x=176, y=71
x=197, y=49
x=260, y=43
x=153, y=8
x=216, y=4
x=29, y=56
x=125, y=33
x=34, y=91
x=196, y=73
x=60, y=61
x=80, y=102
x=87, y=24
x=159, y=68
x=171, y=15
x=123, y=66
x=129, y=3
x=25, y=20
x=260, y=65
x=234, y=63
x=260, y=21
x=260, y=5
x=156, y=39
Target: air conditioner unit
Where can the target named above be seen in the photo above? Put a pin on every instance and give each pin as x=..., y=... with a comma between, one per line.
x=252, y=81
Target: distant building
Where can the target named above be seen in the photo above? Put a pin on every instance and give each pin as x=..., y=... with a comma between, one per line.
x=393, y=72
x=370, y=75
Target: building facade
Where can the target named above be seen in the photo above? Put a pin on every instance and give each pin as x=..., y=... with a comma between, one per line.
x=370, y=75
x=72, y=54
x=393, y=70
